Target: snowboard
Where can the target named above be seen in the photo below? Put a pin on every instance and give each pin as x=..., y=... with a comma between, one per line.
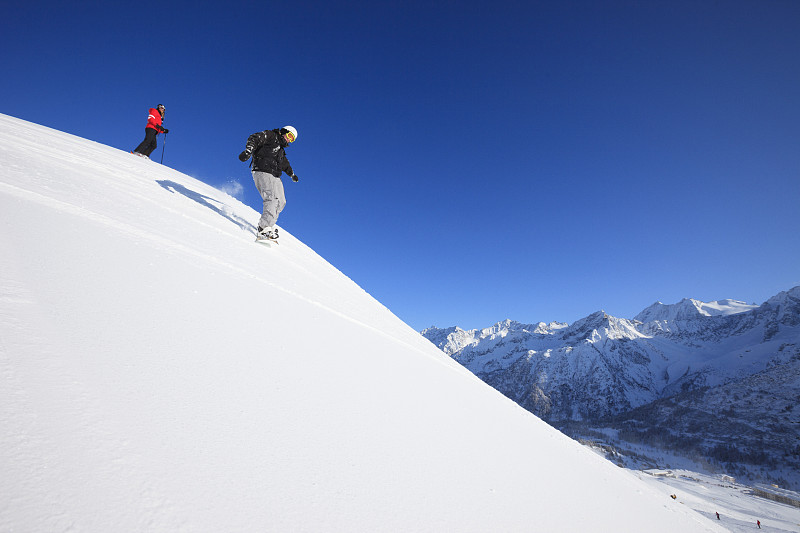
x=267, y=242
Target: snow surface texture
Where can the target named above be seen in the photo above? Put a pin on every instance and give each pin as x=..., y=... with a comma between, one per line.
x=161, y=372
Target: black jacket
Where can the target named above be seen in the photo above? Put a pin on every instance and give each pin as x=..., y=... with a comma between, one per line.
x=267, y=148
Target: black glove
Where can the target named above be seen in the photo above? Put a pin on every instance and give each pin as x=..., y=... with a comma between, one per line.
x=244, y=156
x=295, y=178
x=164, y=130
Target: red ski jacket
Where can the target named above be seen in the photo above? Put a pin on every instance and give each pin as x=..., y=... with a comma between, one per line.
x=154, y=120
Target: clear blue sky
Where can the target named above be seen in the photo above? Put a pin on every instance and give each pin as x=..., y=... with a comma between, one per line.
x=465, y=162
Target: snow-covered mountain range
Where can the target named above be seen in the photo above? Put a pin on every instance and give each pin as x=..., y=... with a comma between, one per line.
x=711, y=376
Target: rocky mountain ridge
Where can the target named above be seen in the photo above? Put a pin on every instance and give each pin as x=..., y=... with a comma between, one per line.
x=705, y=372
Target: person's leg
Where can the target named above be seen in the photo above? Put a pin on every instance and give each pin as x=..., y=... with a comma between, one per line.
x=281, y=196
x=268, y=187
x=149, y=137
x=151, y=134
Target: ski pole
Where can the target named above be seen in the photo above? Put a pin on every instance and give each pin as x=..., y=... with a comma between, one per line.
x=162, y=148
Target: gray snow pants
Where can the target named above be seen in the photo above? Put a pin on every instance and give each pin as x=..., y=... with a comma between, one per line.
x=271, y=190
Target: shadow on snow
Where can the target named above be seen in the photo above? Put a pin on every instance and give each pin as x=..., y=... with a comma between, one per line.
x=205, y=201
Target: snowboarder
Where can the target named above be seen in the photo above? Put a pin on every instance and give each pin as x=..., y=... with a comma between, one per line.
x=151, y=130
x=269, y=162
x=717, y=516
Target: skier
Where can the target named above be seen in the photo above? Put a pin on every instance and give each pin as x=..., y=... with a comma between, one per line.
x=758, y=523
x=269, y=163
x=151, y=130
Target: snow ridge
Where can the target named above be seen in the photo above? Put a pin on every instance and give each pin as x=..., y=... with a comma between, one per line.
x=689, y=308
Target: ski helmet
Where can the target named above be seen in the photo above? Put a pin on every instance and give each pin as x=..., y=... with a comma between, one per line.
x=289, y=129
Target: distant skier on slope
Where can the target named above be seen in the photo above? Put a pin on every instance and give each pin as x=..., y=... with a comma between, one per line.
x=269, y=163
x=151, y=130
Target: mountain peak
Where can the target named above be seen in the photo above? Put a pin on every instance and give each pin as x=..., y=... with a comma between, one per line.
x=783, y=297
x=600, y=325
x=689, y=309
x=787, y=304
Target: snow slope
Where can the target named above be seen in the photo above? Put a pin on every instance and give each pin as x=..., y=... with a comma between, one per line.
x=738, y=507
x=159, y=371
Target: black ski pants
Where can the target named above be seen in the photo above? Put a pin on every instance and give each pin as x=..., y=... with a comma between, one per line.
x=147, y=146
